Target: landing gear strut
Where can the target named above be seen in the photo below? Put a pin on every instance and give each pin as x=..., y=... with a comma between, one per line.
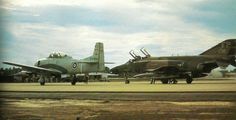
x=127, y=81
x=172, y=81
x=169, y=81
x=164, y=81
x=126, y=78
x=153, y=81
x=74, y=80
x=189, y=79
x=86, y=78
x=42, y=80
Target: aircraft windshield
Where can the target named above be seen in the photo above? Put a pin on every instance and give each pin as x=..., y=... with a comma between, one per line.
x=57, y=55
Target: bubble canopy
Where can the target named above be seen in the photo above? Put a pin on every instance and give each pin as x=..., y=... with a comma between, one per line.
x=58, y=55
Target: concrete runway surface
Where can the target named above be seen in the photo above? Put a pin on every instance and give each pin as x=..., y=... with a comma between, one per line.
x=204, y=99
x=143, y=86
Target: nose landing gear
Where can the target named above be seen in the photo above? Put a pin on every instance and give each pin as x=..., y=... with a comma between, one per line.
x=42, y=80
x=189, y=79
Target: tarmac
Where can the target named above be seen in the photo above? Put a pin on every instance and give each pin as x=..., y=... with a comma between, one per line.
x=121, y=87
x=139, y=100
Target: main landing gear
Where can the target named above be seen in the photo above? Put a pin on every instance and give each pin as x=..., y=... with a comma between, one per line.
x=169, y=81
x=79, y=79
x=126, y=78
x=189, y=79
x=74, y=80
x=127, y=81
x=42, y=80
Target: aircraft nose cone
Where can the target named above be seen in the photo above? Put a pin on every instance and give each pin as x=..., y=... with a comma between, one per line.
x=114, y=70
x=119, y=69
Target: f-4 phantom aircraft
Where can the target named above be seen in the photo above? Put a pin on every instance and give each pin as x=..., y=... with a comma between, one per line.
x=168, y=69
x=61, y=65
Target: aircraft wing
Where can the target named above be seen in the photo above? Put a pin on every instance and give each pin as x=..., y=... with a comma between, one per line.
x=165, y=69
x=161, y=72
x=144, y=75
x=95, y=62
x=33, y=68
x=97, y=73
x=152, y=75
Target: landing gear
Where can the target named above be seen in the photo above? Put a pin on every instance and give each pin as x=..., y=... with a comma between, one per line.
x=86, y=78
x=127, y=81
x=74, y=80
x=164, y=81
x=42, y=80
x=172, y=81
x=153, y=81
x=169, y=81
x=189, y=79
x=126, y=78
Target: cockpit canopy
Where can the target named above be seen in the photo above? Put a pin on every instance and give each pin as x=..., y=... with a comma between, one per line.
x=58, y=55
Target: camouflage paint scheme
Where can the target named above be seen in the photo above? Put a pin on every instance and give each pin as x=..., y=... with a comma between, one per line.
x=168, y=69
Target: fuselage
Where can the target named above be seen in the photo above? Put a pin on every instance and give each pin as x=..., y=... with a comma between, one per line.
x=66, y=65
x=193, y=64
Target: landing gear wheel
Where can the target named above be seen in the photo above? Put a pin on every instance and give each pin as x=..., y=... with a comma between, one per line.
x=189, y=80
x=127, y=81
x=164, y=81
x=42, y=82
x=73, y=82
x=175, y=81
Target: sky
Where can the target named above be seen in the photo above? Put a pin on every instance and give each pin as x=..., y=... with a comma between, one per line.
x=32, y=29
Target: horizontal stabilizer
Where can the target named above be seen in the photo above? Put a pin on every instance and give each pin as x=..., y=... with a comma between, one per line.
x=95, y=62
x=109, y=63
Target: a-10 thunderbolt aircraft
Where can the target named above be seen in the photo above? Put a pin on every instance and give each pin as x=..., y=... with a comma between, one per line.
x=168, y=69
x=60, y=65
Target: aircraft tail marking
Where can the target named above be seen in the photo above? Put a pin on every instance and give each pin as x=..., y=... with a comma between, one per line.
x=97, y=57
x=225, y=48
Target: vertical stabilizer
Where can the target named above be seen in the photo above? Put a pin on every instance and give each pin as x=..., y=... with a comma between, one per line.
x=97, y=59
x=98, y=54
x=225, y=48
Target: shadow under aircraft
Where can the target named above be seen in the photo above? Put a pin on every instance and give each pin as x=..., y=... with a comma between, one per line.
x=168, y=69
x=61, y=66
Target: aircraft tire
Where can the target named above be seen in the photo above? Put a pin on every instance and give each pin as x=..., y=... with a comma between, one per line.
x=73, y=82
x=189, y=80
x=175, y=81
x=127, y=81
x=42, y=80
x=42, y=83
x=164, y=81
